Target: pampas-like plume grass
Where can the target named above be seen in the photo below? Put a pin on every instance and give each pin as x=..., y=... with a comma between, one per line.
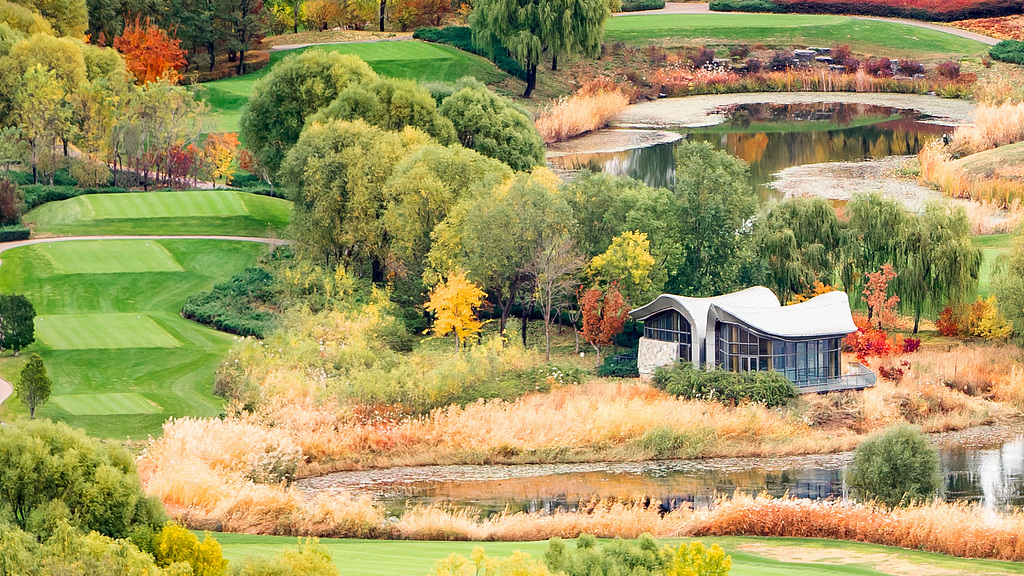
x=587, y=110
x=939, y=169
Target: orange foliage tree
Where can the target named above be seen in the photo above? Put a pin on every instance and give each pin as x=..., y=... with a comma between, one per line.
x=881, y=306
x=604, y=316
x=150, y=52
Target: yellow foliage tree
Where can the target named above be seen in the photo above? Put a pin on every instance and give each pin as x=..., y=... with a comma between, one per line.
x=220, y=151
x=987, y=322
x=628, y=263
x=453, y=304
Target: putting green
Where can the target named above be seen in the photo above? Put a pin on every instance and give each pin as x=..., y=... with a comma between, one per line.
x=165, y=204
x=92, y=331
x=109, y=257
x=105, y=404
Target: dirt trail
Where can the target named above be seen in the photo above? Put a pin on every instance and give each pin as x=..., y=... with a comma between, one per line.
x=703, y=8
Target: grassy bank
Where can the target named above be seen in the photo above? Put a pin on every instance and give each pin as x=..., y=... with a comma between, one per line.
x=751, y=556
x=992, y=248
x=864, y=36
x=121, y=357
x=401, y=59
x=204, y=212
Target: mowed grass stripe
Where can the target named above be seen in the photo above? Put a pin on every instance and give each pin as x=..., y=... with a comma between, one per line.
x=109, y=257
x=108, y=331
x=165, y=204
x=106, y=404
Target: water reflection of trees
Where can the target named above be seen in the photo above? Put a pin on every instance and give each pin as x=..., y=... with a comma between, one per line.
x=770, y=152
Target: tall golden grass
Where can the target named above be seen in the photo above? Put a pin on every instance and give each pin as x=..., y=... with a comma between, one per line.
x=993, y=126
x=588, y=109
x=939, y=169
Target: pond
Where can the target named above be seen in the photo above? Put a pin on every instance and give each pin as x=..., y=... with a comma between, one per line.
x=771, y=137
x=992, y=476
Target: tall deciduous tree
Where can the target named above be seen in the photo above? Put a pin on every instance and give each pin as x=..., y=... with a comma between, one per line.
x=942, y=263
x=43, y=113
x=553, y=268
x=528, y=28
x=17, y=322
x=68, y=17
x=150, y=52
x=34, y=385
x=295, y=88
x=604, y=316
x=495, y=237
x=629, y=265
x=493, y=126
x=881, y=306
x=454, y=303
x=713, y=205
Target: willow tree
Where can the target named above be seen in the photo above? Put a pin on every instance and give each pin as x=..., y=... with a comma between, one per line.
x=941, y=264
x=528, y=28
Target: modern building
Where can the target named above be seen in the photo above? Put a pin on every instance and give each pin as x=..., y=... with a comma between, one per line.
x=749, y=331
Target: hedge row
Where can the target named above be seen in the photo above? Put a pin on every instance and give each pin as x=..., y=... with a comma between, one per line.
x=39, y=194
x=461, y=37
x=12, y=233
x=914, y=10
x=231, y=306
x=642, y=5
x=1011, y=51
x=769, y=388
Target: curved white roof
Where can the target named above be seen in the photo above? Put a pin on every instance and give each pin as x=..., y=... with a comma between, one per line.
x=693, y=308
x=824, y=315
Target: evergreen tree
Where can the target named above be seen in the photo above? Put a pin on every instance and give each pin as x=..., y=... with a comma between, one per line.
x=17, y=322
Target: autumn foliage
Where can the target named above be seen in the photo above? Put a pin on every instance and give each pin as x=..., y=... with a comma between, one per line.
x=604, y=316
x=220, y=150
x=149, y=52
x=453, y=304
x=881, y=306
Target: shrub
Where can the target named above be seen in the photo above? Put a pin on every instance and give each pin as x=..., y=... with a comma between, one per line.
x=781, y=60
x=744, y=6
x=739, y=52
x=620, y=366
x=702, y=58
x=176, y=544
x=637, y=557
x=754, y=66
x=642, y=5
x=841, y=53
x=461, y=37
x=38, y=194
x=768, y=388
x=911, y=67
x=949, y=70
x=13, y=233
x=1011, y=51
x=911, y=345
x=880, y=66
x=896, y=466
x=982, y=320
x=238, y=306
x=10, y=202
x=851, y=65
x=90, y=174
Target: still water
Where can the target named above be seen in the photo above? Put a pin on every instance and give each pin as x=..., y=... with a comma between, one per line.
x=771, y=137
x=992, y=476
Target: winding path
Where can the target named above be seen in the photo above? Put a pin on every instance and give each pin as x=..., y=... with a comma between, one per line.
x=703, y=8
x=6, y=388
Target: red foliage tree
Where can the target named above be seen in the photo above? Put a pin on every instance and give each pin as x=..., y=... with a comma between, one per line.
x=881, y=306
x=604, y=316
x=150, y=52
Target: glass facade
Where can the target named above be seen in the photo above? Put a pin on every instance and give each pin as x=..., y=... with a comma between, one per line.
x=804, y=362
x=670, y=326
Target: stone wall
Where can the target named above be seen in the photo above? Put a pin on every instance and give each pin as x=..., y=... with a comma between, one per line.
x=655, y=353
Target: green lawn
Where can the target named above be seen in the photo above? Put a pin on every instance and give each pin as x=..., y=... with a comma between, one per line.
x=121, y=357
x=216, y=212
x=751, y=556
x=402, y=59
x=992, y=247
x=864, y=36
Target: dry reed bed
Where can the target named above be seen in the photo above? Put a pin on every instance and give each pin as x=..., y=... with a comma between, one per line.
x=589, y=109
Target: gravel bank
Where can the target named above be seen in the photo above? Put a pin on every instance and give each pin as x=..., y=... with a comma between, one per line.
x=696, y=111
